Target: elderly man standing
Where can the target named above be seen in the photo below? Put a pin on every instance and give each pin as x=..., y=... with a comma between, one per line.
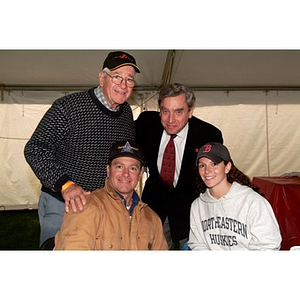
x=114, y=217
x=64, y=149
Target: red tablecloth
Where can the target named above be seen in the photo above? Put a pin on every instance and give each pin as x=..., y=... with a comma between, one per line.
x=283, y=193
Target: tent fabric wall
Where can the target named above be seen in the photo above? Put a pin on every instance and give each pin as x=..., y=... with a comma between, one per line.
x=260, y=129
x=19, y=116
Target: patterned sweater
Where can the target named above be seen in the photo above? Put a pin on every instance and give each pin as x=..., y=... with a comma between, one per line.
x=72, y=141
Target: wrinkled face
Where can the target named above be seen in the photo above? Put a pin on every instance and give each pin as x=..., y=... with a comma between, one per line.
x=113, y=93
x=213, y=175
x=174, y=113
x=124, y=174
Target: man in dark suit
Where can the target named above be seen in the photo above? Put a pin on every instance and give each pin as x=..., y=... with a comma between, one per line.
x=153, y=131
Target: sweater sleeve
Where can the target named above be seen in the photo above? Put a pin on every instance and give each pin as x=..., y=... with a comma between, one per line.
x=40, y=149
x=196, y=237
x=265, y=232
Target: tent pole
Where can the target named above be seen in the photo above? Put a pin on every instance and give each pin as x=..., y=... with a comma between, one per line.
x=166, y=77
x=267, y=135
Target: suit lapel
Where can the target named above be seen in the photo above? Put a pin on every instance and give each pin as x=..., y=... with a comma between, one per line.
x=188, y=159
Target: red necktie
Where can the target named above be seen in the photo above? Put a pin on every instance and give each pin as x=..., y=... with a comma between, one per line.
x=168, y=163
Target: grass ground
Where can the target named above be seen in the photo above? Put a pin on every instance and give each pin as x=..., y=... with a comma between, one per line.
x=19, y=230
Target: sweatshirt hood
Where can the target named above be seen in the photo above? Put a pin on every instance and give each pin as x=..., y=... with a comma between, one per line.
x=235, y=191
x=226, y=201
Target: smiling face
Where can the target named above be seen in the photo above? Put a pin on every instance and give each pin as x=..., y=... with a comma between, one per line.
x=214, y=176
x=175, y=113
x=116, y=94
x=124, y=174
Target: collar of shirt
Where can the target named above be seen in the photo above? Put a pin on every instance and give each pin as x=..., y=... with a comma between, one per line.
x=101, y=98
x=135, y=201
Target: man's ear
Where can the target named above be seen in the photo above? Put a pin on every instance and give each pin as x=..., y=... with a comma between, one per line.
x=142, y=171
x=191, y=111
x=101, y=78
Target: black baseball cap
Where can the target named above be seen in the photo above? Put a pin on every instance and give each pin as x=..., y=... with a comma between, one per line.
x=216, y=152
x=126, y=149
x=117, y=59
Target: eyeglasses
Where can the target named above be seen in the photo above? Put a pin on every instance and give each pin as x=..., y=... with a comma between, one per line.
x=117, y=79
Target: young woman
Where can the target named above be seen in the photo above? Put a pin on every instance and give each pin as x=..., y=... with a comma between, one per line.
x=229, y=213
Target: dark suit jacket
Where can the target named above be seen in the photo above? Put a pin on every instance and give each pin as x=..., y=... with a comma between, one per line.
x=173, y=203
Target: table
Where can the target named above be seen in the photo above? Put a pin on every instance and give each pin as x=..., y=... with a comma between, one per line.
x=283, y=193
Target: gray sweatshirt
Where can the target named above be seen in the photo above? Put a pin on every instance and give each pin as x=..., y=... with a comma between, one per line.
x=240, y=220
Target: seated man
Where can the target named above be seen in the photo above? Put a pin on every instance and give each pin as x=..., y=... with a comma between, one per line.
x=114, y=217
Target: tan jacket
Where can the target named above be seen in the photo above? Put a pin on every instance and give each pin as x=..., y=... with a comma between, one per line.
x=105, y=224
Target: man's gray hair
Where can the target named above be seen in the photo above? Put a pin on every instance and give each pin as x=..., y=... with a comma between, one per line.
x=175, y=89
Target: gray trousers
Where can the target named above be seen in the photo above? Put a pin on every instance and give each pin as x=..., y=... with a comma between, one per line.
x=50, y=212
x=172, y=246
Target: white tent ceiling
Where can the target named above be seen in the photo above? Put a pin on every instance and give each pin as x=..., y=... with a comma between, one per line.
x=195, y=68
